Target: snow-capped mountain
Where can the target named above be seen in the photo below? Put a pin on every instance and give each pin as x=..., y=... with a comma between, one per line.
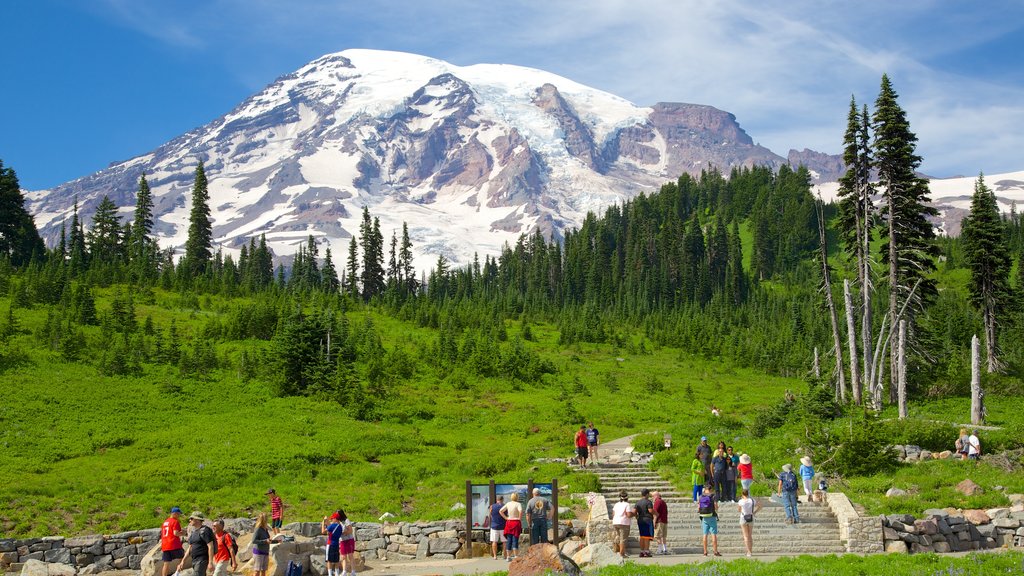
x=470, y=157
x=952, y=196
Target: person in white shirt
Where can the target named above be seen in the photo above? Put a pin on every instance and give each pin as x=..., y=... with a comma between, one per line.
x=621, y=514
x=973, y=446
x=748, y=507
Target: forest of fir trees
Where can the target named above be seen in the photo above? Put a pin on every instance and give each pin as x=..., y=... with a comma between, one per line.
x=662, y=269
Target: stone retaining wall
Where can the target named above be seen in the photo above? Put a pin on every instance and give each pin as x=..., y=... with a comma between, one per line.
x=123, y=551
x=861, y=534
x=945, y=531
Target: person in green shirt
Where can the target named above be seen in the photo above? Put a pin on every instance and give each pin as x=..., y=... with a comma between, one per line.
x=697, y=475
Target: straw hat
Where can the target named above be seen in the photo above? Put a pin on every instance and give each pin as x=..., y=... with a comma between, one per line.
x=744, y=459
x=806, y=460
x=787, y=467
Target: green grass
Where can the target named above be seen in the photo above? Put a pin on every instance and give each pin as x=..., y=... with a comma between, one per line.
x=983, y=564
x=89, y=453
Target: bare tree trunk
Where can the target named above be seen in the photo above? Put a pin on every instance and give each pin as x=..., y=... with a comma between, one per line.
x=865, y=292
x=992, y=363
x=901, y=377
x=817, y=364
x=894, y=292
x=851, y=336
x=977, y=396
x=837, y=340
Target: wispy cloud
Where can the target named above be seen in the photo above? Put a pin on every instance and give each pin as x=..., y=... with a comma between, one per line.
x=785, y=68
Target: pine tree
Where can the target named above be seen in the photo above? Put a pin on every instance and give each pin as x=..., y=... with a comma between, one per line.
x=407, y=273
x=909, y=249
x=329, y=273
x=199, y=245
x=141, y=247
x=988, y=259
x=78, y=257
x=19, y=238
x=856, y=220
x=105, y=234
x=351, y=286
x=373, y=256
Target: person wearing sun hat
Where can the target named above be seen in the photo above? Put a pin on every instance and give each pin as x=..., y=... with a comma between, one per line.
x=170, y=542
x=201, y=544
x=807, y=474
x=746, y=471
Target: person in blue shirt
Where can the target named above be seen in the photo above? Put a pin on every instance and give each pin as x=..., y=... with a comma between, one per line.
x=807, y=475
x=331, y=526
x=497, y=523
x=593, y=439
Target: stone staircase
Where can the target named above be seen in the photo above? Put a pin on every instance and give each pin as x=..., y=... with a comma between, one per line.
x=817, y=532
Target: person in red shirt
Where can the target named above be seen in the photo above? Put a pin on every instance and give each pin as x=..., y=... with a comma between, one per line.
x=276, y=511
x=225, y=555
x=170, y=542
x=581, y=446
x=661, y=523
x=746, y=471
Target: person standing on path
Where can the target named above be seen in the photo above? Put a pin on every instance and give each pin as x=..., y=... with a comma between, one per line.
x=787, y=491
x=497, y=527
x=512, y=512
x=538, y=511
x=593, y=440
x=621, y=514
x=746, y=471
x=347, y=545
x=202, y=545
x=807, y=475
x=707, y=509
x=261, y=546
x=661, y=523
x=697, y=476
x=704, y=454
x=748, y=507
x=730, y=474
x=170, y=542
x=973, y=446
x=719, y=468
x=581, y=446
x=224, y=559
x=276, y=511
x=644, y=512
x=331, y=526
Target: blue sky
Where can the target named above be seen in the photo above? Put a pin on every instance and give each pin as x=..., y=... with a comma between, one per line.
x=90, y=82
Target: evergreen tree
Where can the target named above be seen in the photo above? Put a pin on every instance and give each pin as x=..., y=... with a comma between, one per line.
x=199, y=244
x=77, y=254
x=19, y=238
x=141, y=247
x=406, y=271
x=373, y=256
x=329, y=273
x=909, y=249
x=105, y=234
x=989, y=262
x=351, y=286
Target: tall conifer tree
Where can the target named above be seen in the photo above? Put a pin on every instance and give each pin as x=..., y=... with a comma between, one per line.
x=199, y=245
x=19, y=238
x=909, y=250
x=989, y=261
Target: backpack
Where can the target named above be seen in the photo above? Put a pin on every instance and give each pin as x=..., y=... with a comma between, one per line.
x=788, y=482
x=294, y=569
x=230, y=541
x=705, y=505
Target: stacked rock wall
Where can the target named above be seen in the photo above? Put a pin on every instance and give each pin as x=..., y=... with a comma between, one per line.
x=123, y=551
x=942, y=531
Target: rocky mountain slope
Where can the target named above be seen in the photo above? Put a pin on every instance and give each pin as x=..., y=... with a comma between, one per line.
x=470, y=157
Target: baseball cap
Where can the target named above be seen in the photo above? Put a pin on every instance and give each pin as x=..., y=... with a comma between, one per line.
x=175, y=510
x=703, y=438
x=270, y=491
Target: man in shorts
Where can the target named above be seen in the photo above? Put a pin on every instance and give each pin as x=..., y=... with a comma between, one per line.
x=660, y=523
x=276, y=511
x=331, y=526
x=497, y=527
x=593, y=439
x=170, y=542
x=707, y=508
x=644, y=512
x=581, y=446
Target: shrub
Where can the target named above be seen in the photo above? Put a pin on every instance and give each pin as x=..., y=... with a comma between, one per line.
x=863, y=447
x=649, y=443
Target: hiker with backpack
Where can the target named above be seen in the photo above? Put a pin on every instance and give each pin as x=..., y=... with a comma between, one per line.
x=787, y=492
x=707, y=509
x=226, y=557
x=202, y=545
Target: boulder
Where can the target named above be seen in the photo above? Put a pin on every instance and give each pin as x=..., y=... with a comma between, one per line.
x=895, y=492
x=597, y=555
x=927, y=526
x=83, y=541
x=897, y=546
x=480, y=550
x=945, y=455
x=543, y=559
x=920, y=549
x=38, y=568
x=598, y=506
x=600, y=532
x=976, y=517
x=968, y=488
x=996, y=513
x=58, y=556
x=926, y=455
x=7, y=558
x=889, y=534
x=317, y=564
x=570, y=547
x=936, y=512
x=443, y=546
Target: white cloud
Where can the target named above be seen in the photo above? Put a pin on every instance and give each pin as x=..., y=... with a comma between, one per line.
x=786, y=69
